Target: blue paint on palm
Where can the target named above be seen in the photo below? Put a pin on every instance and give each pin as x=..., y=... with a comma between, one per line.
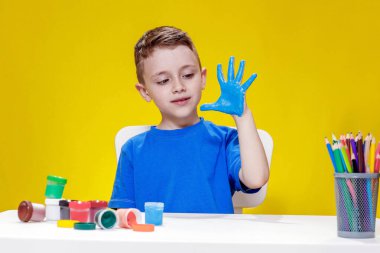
x=231, y=100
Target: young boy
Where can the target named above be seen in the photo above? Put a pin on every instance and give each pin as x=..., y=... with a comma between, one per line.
x=190, y=164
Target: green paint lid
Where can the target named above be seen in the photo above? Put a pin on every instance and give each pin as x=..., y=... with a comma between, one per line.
x=85, y=226
x=56, y=179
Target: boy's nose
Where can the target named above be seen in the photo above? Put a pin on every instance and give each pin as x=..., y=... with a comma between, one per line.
x=178, y=87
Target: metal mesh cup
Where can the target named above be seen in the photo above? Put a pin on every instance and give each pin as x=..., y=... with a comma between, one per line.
x=356, y=202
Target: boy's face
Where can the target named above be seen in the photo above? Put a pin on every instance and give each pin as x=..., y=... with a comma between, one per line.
x=173, y=81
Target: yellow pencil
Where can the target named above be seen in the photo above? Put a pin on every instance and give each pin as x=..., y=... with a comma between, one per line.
x=372, y=155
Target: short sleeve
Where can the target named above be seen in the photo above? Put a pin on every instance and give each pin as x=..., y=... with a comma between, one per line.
x=123, y=195
x=234, y=162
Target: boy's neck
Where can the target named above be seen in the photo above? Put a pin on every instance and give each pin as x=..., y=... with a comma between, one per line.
x=171, y=124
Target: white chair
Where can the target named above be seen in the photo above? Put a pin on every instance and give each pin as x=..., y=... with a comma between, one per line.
x=240, y=200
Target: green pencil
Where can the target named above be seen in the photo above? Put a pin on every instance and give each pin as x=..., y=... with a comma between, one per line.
x=338, y=161
x=345, y=158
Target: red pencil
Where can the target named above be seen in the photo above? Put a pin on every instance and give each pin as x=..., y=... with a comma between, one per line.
x=377, y=164
x=348, y=145
x=377, y=157
x=360, y=154
x=344, y=145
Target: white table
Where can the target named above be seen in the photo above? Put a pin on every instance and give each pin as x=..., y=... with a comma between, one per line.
x=189, y=233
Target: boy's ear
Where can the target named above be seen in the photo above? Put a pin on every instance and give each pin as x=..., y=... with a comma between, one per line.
x=143, y=92
x=203, y=78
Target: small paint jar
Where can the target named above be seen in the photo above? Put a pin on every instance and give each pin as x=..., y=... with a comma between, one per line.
x=128, y=217
x=96, y=205
x=64, y=209
x=52, y=209
x=54, y=187
x=28, y=211
x=106, y=218
x=154, y=213
x=80, y=210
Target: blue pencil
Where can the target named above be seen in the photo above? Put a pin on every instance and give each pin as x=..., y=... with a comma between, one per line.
x=328, y=145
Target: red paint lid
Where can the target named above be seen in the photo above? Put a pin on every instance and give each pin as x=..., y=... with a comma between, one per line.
x=79, y=204
x=98, y=203
x=25, y=211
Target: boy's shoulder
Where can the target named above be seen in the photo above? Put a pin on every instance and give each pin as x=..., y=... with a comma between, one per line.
x=219, y=129
x=139, y=138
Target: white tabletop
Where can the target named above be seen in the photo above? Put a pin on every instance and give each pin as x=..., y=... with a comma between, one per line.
x=190, y=233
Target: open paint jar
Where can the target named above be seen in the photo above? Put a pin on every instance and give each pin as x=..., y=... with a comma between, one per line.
x=28, y=211
x=128, y=217
x=106, y=218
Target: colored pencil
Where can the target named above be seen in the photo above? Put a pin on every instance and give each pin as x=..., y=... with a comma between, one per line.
x=344, y=147
x=377, y=162
x=328, y=145
x=348, y=143
x=347, y=163
x=360, y=154
x=372, y=156
x=338, y=160
x=366, y=152
x=377, y=166
x=353, y=148
x=335, y=140
x=354, y=163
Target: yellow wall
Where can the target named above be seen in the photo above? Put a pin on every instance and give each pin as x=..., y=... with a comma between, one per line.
x=67, y=85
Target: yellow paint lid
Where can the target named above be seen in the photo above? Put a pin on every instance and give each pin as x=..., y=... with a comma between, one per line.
x=66, y=223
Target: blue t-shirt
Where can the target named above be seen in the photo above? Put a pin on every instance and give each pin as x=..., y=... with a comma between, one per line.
x=192, y=170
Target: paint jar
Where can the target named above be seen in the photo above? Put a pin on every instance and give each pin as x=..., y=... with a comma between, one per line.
x=52, y=209
x=96, y=205
x=128, y=217
x=54, y=187
x=106, y=218
x=28, y=211
x=80, y=210
x=154, y=212
x=64, y=209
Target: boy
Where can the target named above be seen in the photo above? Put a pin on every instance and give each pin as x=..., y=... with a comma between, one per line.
x=190, y=164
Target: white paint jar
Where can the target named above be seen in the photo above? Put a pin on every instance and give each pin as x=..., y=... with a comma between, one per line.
x=53, y=212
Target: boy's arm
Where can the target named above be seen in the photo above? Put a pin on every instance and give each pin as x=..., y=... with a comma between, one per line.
x=123, y=188
x=254, y=172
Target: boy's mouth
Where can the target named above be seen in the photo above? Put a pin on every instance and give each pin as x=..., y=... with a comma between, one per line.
x=180, y=100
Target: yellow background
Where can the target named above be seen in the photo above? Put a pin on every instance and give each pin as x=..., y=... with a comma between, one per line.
x=67, y=80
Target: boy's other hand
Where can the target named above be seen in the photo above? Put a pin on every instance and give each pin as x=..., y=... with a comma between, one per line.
x=231, y=100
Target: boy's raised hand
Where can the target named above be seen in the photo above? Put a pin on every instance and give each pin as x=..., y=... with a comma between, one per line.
x=231, y=100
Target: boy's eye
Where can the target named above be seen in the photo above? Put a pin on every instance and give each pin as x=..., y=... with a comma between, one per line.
x=188, y=76
x=163, y=82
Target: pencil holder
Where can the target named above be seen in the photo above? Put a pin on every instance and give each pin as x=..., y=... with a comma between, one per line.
x=356, y=202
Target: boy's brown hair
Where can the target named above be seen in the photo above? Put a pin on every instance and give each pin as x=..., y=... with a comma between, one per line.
x=163, y=36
